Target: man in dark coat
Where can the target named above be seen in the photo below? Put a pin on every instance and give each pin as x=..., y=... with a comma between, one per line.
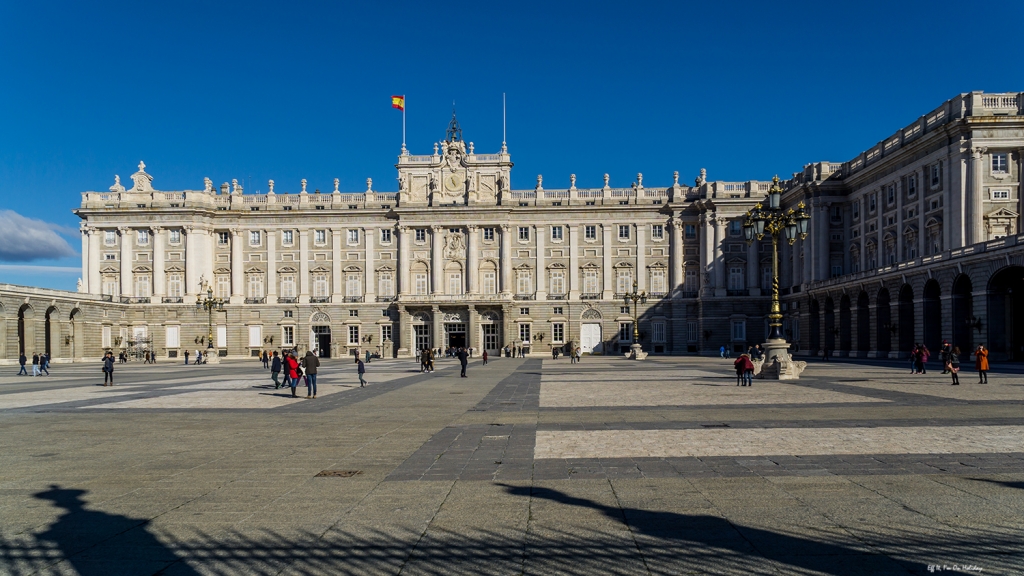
x=22, y=360
x=275, y=369
x=309, y=364
x=463, y=357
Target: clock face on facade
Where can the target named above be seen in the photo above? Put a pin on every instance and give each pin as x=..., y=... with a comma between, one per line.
x=453, y=182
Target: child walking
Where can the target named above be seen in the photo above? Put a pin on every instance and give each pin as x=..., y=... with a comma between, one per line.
x=361, y=369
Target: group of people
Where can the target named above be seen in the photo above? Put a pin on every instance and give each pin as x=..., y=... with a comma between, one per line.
x=294, y=368
x=514, y=351
x=200, y=358
x=40, y=364
x=950, y=356
x=573, y=354
x=919, y=358
x=461, y=353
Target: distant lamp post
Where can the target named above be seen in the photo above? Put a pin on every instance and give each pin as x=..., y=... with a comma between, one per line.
x=636, y=351
x=209, y=303
x=776, y=221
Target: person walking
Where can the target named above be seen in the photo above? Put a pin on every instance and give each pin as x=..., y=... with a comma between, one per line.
x=981, y=363
x=367, y=356
x=484, y=357
x=108, y=368
x=186, y=357
x=266, y=360
x=944, y=356
x=915, y=360
x=44, y=363
x=361, y=370
x=292, y=372
x=275, y=369
x=953, y=367
x=22, y=359
x=463, y=357
x=309, y=365
x=430, y=360
x=925, y=353
x=35, y=364
x=744, y=370
x=424, y=359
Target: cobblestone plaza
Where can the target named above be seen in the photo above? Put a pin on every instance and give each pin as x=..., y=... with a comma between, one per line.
x=530, y=466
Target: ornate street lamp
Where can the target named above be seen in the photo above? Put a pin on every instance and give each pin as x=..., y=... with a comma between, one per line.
x=775, y=221
x=636, y=350
x=209, y=303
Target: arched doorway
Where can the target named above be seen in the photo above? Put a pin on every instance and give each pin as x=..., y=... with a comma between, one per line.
x=932, y=319
x=489, y=333
x=422, y=332
x=3, y=331
x=814, y=329
x=77, y=334
x=1006, y=314
x=26, y=330
x=51, y=332
x=830, y=324
x=320, y=334
x=883, y=323
x=963, y=313
x=863, y=323
x=590, y=331
x=845, y=324
x=905, y=323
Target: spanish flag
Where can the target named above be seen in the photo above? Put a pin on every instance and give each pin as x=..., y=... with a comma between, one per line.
x=398, y=102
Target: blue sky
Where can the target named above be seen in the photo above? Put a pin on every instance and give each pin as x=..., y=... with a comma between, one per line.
x=302, y=90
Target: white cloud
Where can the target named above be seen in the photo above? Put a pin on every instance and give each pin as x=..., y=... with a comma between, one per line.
x=25, y=239
x=30, y=269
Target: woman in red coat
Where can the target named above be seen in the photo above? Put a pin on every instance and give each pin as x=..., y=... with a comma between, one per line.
x=981, y=363
x=292, y=370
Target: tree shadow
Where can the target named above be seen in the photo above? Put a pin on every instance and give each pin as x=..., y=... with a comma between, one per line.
x=1009, y=484
x=96, y=543
x=733, y=539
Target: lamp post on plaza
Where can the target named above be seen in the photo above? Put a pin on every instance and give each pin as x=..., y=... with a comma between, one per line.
x=775, y=221
x=636, y=350
x=209, y=303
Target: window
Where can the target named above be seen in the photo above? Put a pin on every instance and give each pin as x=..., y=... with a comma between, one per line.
x=222, y=336
x=735, y=228
x=353, y=284
x=624, y=232
x=255, y=238
x=110, y=256
x=173, y=336
x=557, y=310
x=524, y=283
x=173, y=285
x=320, y=237
x=222, y=238
x=856, y=209
x=524, y=311
x=837, y=271
x=287, y=237
x=287, y=285
x=890, y=220
x=320, y=289
x=353, y=334
x=556, y=233
x=110, y=285
x=524, y=233
x=524, y=333
x=625, y=331
x=386, y=284
x=490, y=285
x=255, y=336
x=289, y=313
x=911, y=186
x=690, y=230
x=590, y=284
x=872, y=202
x=175, y=237
x=385, y=235
x=255, y=285
x=590, y=232
x=766, y=278
x=223, y=286
x=488, y=234
x=288, y=335
x=142, y=286
x=420, y=284
x=557, y=332
x=739, y=330
x=658, y=332
x=142, y=237
x=736, y=278
x=455, y=283
x=353, y=236
x=999, y=163
x=558, y=282
x=1000, y=194
x=837, y=214
x=353, y=313
x=110, y=237
x=691, y=331
x=623, y=281
x=385, y=333
x=936, y=174
x=657, y=231
x=690, y=281
x=623, y=309
x=890, y=194
x=421, y=235
x=658, y=281
x=836, y=236
x=385, y=313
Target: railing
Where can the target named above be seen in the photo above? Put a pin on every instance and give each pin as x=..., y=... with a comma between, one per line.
x=590, y=193
x=487, y=157
x=524, y=296
x=657, y=294
x=590, y=296
x=623, y=192
x=523, y=194
x=1000, y=101
x=319, y=299
x=390, y=197
x=688, y=293
x=172, y=300
x=421, y=159
x=135, y=300
x=556, y=296
x=557, y=194
x=353, y=298
x=737, y=292
x=286, y=300
x=262, y=300
x=386, y=298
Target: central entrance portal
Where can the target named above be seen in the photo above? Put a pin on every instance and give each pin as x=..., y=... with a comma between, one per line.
x=455, y=335
x=322, y=340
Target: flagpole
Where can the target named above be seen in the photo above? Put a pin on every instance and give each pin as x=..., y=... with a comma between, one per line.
x=403, y=120
x=503, y=147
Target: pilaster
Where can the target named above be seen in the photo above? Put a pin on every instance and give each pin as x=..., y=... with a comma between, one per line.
x=304, y=266
x=159, y=275
x=126, y=261
x=436, y=260
x=574, y=262
x=236, y=267
x=473, y=258
x=541, y=267
x=606, y=268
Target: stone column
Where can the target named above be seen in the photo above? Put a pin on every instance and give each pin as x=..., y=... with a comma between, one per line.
x=641, y=257
x=473, y=339
x=405, y=238
x=753, y=278
x=541, y=267
x=304, y=266
x=606, y=268
x=191, y=263
x=1020, y=190
x=436, y=260
x=823, y=242
x=337, y=294
x=401, y=336
x=473, y=258
x=209, y=243
x=159, y=279
x=704, y=250
x=370, y=290
x=807, y=274
x=126, y=261
x=506, y=260
x=271, y=287
x=976, y=202
x=237, y=292
x=85, y=261
x=574, y=262
x=719, y=257
x=438, y=324
x=95, y=241
x=676, y=242
x=922, y=206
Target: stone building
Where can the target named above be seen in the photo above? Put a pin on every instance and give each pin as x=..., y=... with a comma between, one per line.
x=915, y=239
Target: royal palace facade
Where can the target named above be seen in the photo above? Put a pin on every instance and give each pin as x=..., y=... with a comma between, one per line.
x=915, y=240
